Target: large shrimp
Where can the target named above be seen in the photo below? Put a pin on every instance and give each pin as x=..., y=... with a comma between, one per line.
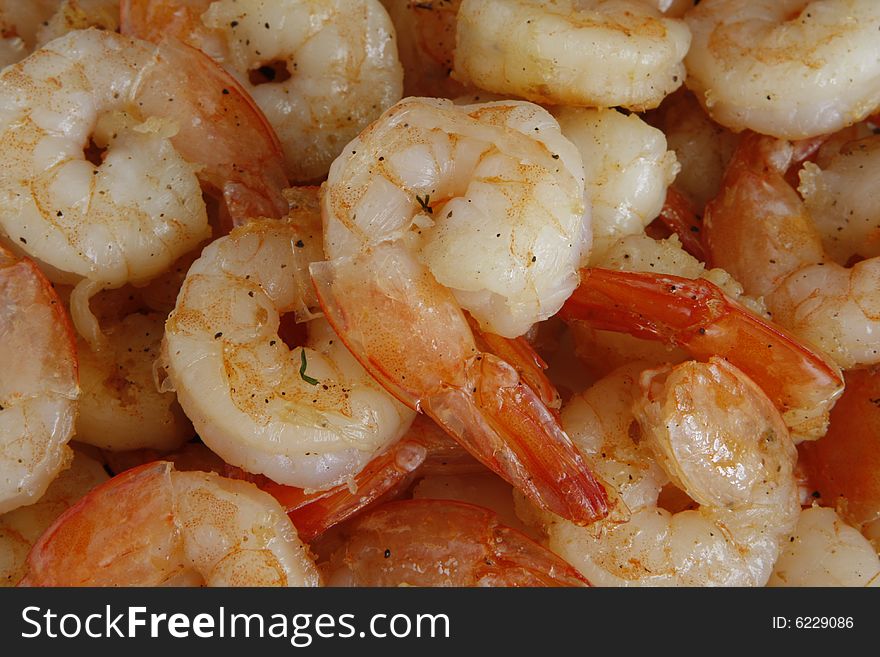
x=164, y=117
x=627, y=170
x=825, y=551
x=788, y=68
x=442, y=543
x=320, y=70
x=436, y=209
x=38, y=383
x=309, y=416
x=154, y=526
x=594, y=53
x=20, y=529
x=759, y=230
x=712, y=432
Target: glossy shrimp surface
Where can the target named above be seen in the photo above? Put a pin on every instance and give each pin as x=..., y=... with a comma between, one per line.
x=155, y=526
x=309, y=416
x=38, y=383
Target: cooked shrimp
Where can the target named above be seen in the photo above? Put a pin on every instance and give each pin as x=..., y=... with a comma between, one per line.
x=163, y=115
x=594, y=53
x=843, y=467
x=702, y=147
x=320, y=70
x=436, y=209
x=788, y=68
x=825, y=551
x=711, y=431
x=759, y=230
x=627, y=170
x=155, y=526
x=426, y=44
x=442, y=543
x=38, y=383
x=309, y=417
x=696, y=315
x=21, y=528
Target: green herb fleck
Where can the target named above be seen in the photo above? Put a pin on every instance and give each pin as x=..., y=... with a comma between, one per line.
x=425, y=203
x=302, y=369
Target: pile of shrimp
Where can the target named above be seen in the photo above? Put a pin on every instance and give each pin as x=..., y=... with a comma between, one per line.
x=439, y=293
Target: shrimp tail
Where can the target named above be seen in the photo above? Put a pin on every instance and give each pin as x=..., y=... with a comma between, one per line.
x=679, y=216
x=698, y=316
x=479, y=399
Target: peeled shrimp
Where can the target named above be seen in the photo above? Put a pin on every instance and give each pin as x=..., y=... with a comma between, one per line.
x=155, y=526
x=38, y=383
x=310, y=416
x=759, y=230
x=442, y=543
x=320, y=70
x=20, y=529
x=825, y=551
x=594, y=53
x=788, y=68
x=436, y=209
x=696, y=315
x=165, y=117
x=708, y=429
x=627, y=170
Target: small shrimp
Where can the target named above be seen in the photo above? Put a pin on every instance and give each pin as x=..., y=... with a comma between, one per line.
x=320, y=71
x=843, y=467
x=712, y=432
x=788, y=68
x=309, y=417
x=154, y=526
x=593, y=53
x=627, y=170
x=759, y=230
x=157, y=117
x=20, y=529
x=825, y=551
x=38, y=383
x=426, y=44
x=442, y=543
x=696, y=315
x=436, y=209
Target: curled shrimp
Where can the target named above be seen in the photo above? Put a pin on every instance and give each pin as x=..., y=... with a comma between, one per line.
x=309, y=416
x=696, y=315
x=438, y=208
x=38, y=383
x=154, y=526
x=164, y=116
x=20, y=529
x=594, y=53
x=759, y=230
x=825, y=551
x=321, y=71
x=788, y=68
x=711, y=432
x=442, y=543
